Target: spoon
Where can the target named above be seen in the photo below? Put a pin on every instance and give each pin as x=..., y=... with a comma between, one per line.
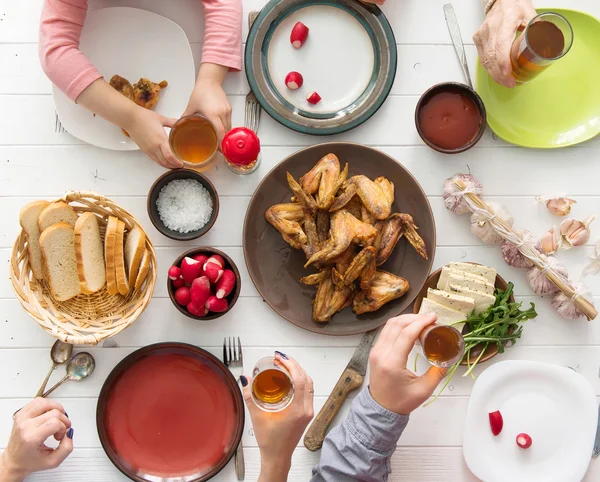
x=59, y=354
x=80, y=366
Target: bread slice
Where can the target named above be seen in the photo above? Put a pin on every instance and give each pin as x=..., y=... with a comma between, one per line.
x=144, y=268
x=28, y=219
x=120, y=274
x=134, y=250
x=109, y=255
x=89, y=250
x=59, y=261
x=58, y=212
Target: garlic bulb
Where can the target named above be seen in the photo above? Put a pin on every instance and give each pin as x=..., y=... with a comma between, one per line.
x=559, y=205
x=576, y=233
x=482, y=228
x=538, y=281
x=566, y=306
x=550, y=242
x=511, y=252
x=593, y=265
x=454, y=197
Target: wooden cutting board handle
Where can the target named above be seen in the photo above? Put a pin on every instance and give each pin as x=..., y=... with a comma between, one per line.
x=349, y=381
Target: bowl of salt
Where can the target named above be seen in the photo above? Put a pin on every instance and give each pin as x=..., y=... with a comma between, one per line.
x=183, y=204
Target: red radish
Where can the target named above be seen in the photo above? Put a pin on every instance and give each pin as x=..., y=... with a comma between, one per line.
x=174, y=272
x=190, y=269
x=298, y=35
x=524, y=441
x=496, y=422
x=294, y=80
x=200, y=290
x=183, y=296
x=313, y=98
x=178, y=283
x=200, y=257
x=225, y=284
x=216, y=305
x=215, y=258
x=197, y=310
x=213, y=272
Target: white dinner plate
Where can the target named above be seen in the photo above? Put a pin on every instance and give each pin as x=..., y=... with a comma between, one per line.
x=133, y=43
x=554, y=405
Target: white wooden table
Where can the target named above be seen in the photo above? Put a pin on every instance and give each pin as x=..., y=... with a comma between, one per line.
x=35, y=162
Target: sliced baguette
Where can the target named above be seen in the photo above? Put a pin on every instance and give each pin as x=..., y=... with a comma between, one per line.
x=134, y=250
x=28, y=219
x=58, y=212
x=89, y=250
x=143, y=272
x=59, y=261
x=120, y=274
x=109, y=255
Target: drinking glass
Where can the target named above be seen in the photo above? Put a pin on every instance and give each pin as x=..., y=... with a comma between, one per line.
x=272, y=386
x=547, y=38
x=442, y=345
x=193, y=140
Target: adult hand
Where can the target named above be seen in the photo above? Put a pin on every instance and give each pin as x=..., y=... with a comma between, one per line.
x=26, y=451
x=146, y=128
x=393, y=385
x=209, y=98
x=496, y=34
x=278, y=433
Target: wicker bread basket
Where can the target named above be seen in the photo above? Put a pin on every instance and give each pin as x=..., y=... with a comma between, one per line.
x=85, y=319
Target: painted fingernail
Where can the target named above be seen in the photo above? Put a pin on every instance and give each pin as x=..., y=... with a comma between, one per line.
x=282, y=355
x=243, y=380
x=70, y=433
x=66, y=415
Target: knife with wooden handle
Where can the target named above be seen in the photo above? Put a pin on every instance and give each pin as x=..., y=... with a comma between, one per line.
x=351, y=379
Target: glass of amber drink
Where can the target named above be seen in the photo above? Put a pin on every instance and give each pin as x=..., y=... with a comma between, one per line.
x=442, y=345
x=193, y=140
x=547, y=38
x=272, y=386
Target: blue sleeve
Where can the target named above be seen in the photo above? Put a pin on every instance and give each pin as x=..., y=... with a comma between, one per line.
x=361, y=447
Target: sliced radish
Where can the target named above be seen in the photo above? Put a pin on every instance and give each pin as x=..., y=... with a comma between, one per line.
x=174, y=272
x=298, y=35
x=294, y=80
x=496, y=422
x=524, y=440
x=215, y=258
x=190, y=269
x=313, y=98
x=200, y=290
x=216, y=305
x=225, y=284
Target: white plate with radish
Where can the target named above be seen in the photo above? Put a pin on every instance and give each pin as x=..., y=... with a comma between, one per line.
x=320, y=66
x=530, y=422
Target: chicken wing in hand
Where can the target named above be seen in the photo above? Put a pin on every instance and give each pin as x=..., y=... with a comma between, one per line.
x=384, y=288
x=328, y=300
x=146, y=92
x=286, y=219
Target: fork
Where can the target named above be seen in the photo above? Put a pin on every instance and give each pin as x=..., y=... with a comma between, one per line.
x=252, y=118
x=233, y=359
x=58, y=127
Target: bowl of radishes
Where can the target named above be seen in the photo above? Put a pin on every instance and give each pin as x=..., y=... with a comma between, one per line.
x=203, y=283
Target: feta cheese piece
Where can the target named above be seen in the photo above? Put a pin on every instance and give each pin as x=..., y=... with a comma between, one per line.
x=470, y=283
x=464, y=304
x=447, y=271
x=484, y=271
x=482, y=300
x=445, y=315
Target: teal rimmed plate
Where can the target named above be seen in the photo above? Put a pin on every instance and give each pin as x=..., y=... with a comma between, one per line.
x=349, y=59
x=561, y=106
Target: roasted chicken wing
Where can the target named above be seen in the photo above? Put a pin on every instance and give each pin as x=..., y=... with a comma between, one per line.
x=324, y=180
x=343, y=230
x=377, y=196
x=146, y=92
x=287, y=218
x=384, y=288
x=392, y=229
x=351, y=274
x=122, y=85
x=329, y=300
x=312, y=238
x=307, y=201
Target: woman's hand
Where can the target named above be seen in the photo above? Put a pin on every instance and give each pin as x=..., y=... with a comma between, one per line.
x=496, y=34
x=278, y=433
x=209, y=98
x=146, y=128
x=26, y=452
x=393, y=385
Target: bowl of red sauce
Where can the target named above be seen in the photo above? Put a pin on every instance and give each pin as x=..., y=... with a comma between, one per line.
x=170, y=411
x=450, y=117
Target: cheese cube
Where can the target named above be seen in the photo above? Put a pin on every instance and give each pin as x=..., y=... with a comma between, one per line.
x=470, y=283
x=445, y=315
x=482, y=301
x=446, y=272
x=484, y=271
x=460, y=303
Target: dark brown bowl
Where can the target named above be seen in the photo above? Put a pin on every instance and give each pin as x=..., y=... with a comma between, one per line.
x=229, y=264
x=157, y=349
x=491, y=351
x=276, y=268
x=456, y=87
x=165, y=179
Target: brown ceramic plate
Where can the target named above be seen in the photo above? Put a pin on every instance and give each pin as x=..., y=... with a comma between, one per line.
x=170, y=411
x=432, y=281
x=275, y=267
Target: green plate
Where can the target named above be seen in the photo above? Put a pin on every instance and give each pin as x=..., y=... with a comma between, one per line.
x=560, y=107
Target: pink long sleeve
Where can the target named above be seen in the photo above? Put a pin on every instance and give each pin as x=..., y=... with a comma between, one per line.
x=60, y=31
x=223, y=33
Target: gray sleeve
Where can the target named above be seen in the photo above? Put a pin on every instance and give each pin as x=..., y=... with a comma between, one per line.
x=361, y=447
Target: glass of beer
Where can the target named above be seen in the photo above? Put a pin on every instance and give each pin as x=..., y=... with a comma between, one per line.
x=442, y=345
x=547, y=38
x=193, y=140
x=272, y=386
